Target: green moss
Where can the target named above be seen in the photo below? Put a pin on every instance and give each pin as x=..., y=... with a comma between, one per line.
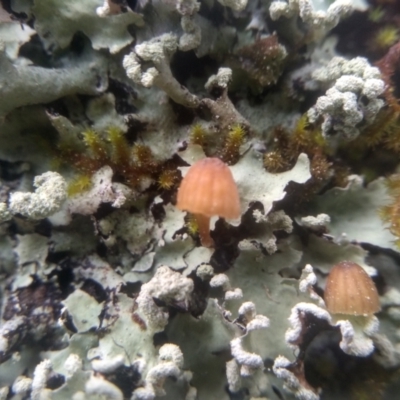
x=131, y=164
x=198, y=135
x=234, y=139
x=80, y=184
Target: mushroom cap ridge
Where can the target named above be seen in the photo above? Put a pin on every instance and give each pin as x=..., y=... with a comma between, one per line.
x=349, y=290
x=209, y=189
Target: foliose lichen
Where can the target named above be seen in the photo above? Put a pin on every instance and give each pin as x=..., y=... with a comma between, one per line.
x=105, y=288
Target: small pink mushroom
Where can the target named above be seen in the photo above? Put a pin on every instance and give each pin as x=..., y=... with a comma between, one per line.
x=208, y=189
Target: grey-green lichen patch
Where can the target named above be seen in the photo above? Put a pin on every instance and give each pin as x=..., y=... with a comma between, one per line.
x=32, y=248
x=5, y=214
x=265, y=116
x=78, y=239
x=7, y=261
x=138, y=309
x=256, y=184
x=83, y=318
x=261, y=282
x=171, y=248
x=101, y=110
x=205, y=348
x=13, y=35
x=49, y=196
x=156, y=112
x=196, y=258
x=128, y=337
x=19, y=88
x=58, y=22
x=145, y=263
x=78, y=346
x=354, y=212
x=17, y=364
x=214, y=40
x=173, y=253
x=237, y=5
x=24, y=134
x=323, y=253
x=148, y=243
x=100, y=271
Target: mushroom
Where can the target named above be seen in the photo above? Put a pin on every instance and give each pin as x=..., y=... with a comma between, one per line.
x=208, y=189
x=349, y=290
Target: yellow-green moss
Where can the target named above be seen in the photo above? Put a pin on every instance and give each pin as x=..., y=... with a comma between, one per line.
x=233, y=140
x=198, y=135
x=119, y=146
x=390, y=213
x=80, y=184
x=130, y=164
x=167, y=179
x=385, y=37
x=192, y=225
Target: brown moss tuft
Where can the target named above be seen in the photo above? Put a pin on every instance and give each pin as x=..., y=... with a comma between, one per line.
x=341, y=176
x=274, y=162
x=132, y=165
x=320, y=168
x=167, y=179
x=389, y=65
x=286, y=148
x=198, y=135
x=142, y=155
x=263, y=60
x=390, y=213
x=231, y=149
x=306, y=139
x=119, y=146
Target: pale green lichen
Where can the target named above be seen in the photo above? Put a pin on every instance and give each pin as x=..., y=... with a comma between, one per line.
x=5, y=214
x=64, y=20
x=114, y=283
x=354, y=212
x=19, y=83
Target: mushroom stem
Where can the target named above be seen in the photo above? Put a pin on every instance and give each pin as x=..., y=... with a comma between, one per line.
x=203, y=222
